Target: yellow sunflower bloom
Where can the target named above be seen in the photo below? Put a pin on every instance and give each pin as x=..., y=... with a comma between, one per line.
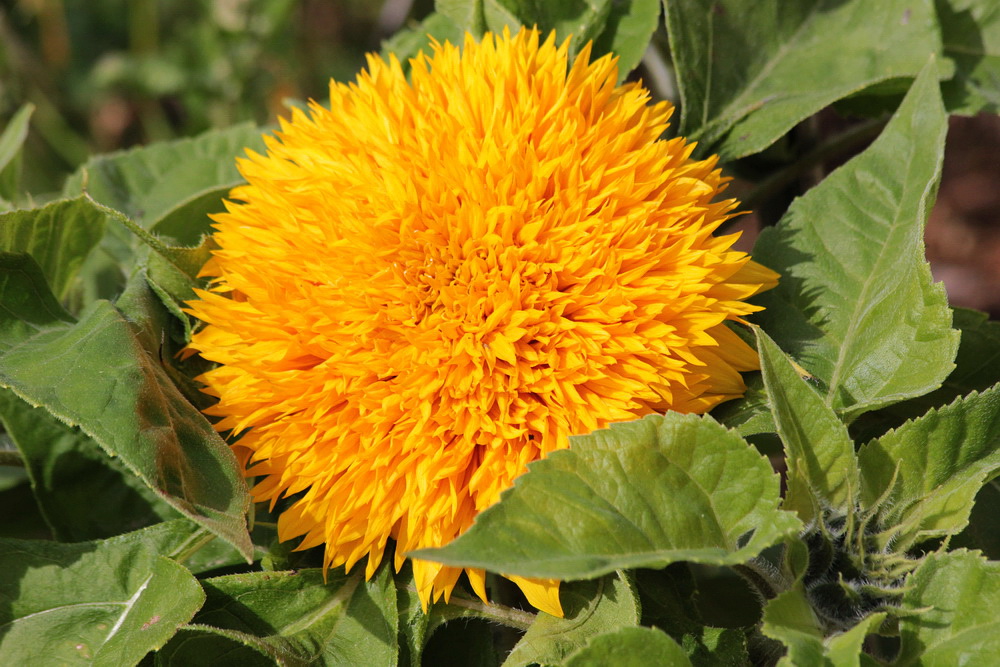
x=438, y=280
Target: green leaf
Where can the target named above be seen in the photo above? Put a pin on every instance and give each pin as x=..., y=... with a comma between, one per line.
x=96, y=374
x=645, y=493
x=749, y=414
x=628, y=29
x=952, y=600
x=297, y=618
x=927, y=472
x=629, y=647
x=970, y=30
x=467, y=15
x=592, y=608
x=977, y=367
x=10, y=153
x=59, y=236
x=187, y=222
x=103, y=603
x=147, y=183
x=406, y=43
x=856, y=304
x=583, y=20
x=749, y=71
x=27, y=305
x=822, y=468
x=789, y=619
x=82, y=492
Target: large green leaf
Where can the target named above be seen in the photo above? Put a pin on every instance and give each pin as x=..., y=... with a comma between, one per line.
x=822, y=469
x=952, y=600
x=58, y=236
x=638, y=494
x=147, y=183
x=927, y=472
x=970, y=30
x=749, y=71
x=592, y=608
x=977, y=367
x=856, y=305
x=629, y=647
x=100, y=603
x=296, y=618
x=83, y=493
x=10, y=154
x=97, y=375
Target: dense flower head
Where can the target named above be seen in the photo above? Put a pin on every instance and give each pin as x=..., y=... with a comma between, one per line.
x=438, y=279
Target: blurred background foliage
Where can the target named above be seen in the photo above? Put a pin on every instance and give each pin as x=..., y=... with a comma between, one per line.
x=108, y=74
x=105, y=75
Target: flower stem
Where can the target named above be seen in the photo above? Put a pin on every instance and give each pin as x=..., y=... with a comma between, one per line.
x=514, y=618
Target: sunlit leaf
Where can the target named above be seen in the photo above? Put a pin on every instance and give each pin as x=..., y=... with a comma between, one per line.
x=952, y=599
x=749, y=71
x=639, y=494
x=105, y=603
x=822, y=468
x=927, y=472
x=977, y=367
x=856, y=305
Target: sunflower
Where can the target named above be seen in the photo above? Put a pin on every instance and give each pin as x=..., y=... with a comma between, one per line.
x=439, y=279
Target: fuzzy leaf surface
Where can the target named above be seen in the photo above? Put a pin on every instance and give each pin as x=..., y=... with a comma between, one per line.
x=592, y=608
x=296, y=618
x=638, y=494
x=749, y=71
x=147, y=183
x=939, y=462
x=856, y=305
x=97, y=375
x=104, y=603
x=822, y=468
x=953, y=598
